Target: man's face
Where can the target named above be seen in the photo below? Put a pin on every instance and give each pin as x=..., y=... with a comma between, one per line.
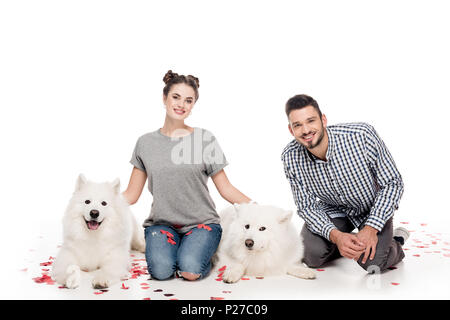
x=307, y=126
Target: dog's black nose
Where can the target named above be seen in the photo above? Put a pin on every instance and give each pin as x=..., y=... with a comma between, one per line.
x=249, y=243
x=94, y=214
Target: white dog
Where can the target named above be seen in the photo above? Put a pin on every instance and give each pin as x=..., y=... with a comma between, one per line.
x=99, y=230
x=259, y=240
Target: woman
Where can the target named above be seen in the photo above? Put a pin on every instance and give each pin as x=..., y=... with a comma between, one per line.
x=183, y=231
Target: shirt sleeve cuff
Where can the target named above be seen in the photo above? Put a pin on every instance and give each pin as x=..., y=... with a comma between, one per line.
x=375, y=222
x=326, y=230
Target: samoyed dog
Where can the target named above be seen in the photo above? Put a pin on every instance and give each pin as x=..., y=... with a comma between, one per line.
x=99, y=230
x=259, y=240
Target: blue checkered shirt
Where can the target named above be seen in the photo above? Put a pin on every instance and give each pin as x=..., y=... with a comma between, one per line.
x=359, y=180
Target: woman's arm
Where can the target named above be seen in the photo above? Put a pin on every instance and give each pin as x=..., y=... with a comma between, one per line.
x=227, y=190
x=135, y=186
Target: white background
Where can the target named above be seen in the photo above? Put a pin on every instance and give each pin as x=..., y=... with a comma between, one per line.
x=80, y=81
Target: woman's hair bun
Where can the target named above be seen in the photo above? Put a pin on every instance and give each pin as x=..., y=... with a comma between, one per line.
x=197, y=82
x=169, y=76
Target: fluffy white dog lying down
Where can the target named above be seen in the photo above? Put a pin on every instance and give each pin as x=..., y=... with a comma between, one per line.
x=259, y=240
x=99, y=230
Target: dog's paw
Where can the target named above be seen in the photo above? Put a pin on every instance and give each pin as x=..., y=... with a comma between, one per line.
x=73, y=276
x=101, y=281
x=308, y=274
x=302, y=272
x=231, y=275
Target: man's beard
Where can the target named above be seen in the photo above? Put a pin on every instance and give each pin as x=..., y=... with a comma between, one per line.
x=311, y=145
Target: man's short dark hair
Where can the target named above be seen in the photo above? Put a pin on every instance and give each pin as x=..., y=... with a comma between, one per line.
x=301, y=101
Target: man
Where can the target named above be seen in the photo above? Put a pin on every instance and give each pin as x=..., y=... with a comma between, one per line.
x=342, y=177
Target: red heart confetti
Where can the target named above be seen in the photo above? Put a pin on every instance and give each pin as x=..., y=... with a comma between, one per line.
x=147, y=299
x=320, y=269
x=123, y=286
x=259, y=278
x=217, y=298
x=416, y=255
x=245, y=278
x=145, y=288
x=204, y=226
x=44, y=279
x=167, y=233
x=223, y=268
x=169, y=237
x=188, y=233
x=395, y=283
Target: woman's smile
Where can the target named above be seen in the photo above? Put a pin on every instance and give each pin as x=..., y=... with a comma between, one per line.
x=179, y=111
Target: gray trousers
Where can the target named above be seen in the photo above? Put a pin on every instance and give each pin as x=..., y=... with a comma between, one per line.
x=319, y=250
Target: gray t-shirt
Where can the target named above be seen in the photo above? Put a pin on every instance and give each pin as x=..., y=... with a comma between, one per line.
x=177, y=170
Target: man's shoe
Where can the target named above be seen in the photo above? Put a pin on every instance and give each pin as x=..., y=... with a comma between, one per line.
x=401, y=235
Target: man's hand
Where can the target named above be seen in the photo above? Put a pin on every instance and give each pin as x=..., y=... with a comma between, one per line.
x=348, y=244
x=368, y=236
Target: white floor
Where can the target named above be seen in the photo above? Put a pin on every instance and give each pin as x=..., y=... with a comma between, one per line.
x=424, y=274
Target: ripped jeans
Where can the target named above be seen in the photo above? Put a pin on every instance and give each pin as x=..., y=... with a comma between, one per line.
x=168, y=251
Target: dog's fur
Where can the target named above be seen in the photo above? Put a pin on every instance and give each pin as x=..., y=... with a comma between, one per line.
x=276, y=247
x=99, y=243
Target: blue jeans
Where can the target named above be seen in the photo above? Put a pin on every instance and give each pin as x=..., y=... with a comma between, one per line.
x=167, y=250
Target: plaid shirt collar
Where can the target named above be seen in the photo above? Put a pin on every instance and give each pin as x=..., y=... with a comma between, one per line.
x=330, y=149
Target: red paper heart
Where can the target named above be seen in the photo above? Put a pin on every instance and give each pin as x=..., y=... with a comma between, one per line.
x=203, y=226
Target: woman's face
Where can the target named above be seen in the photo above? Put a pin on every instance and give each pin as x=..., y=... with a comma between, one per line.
x=179, y=101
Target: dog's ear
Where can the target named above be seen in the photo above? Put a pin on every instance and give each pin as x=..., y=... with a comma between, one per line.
x=81, y=181
x=116, y=185
x=285, y=216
